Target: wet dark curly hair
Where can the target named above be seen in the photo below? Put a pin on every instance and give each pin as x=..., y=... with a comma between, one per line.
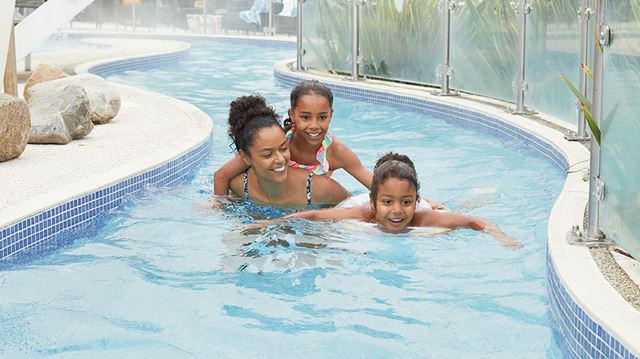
x=248, y=115
x=397, y=166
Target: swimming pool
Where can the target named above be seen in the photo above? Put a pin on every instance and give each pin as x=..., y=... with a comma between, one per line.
x=166, y=276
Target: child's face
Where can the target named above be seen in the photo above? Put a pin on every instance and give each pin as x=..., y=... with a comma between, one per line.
x=269, y=154
x=396, y=204
x=312, y=117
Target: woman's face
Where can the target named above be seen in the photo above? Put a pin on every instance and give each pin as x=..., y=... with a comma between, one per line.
x=395, y=204
x=269, y=154
x=312, y=116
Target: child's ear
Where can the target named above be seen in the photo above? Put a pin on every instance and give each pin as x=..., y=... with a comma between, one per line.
x=372, y=202
x=245, y=158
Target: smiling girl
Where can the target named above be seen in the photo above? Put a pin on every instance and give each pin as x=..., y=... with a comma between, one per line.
x=393, y=199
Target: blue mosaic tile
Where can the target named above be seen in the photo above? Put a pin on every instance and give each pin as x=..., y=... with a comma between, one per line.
x=79, y=212
x=584, y=337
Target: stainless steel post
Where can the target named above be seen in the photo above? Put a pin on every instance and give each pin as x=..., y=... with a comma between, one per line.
x=133, y=15
x=299, y=66
x=355, y=40
x=584, y=14
x=271, y=18
x=204, y=16
x=446, y=71
x=522, y=10
x=596, y=185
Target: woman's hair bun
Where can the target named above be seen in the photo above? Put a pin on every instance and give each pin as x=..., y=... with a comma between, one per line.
x=245, y=110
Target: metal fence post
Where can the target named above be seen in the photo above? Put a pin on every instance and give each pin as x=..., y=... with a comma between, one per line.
x=355, y=39
x=271, y=32
x=584, y=15
x=133, y=15
x=596, y=185
x=523, y=9
x=593, y=235
x=446, y=71
x=300, y=51
x=204, y=16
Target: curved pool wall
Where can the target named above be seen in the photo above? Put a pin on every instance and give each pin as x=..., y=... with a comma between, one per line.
x=593, y=325
x=572, y=276
x=78, y=210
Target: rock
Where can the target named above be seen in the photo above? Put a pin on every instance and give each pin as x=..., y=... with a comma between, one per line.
x=103, y=97
x=42, y=73
x=59, y=113
x=15, y=123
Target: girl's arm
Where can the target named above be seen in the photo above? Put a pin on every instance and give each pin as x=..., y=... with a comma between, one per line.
x=325, y=190
x=222, y=177
x=330, y=214
x=344, y=157
x=456, y=220
x=325, y=214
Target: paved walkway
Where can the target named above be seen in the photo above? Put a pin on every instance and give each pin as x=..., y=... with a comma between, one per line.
x=149, y=130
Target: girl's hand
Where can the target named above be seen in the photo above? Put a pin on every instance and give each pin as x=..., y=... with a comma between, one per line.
x=504, y=239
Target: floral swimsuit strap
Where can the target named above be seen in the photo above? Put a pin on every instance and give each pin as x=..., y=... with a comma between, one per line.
x=322, y=168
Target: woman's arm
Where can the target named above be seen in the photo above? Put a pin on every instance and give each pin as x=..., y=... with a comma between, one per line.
x=343, y=157
x=456, y=220
x=222, y=177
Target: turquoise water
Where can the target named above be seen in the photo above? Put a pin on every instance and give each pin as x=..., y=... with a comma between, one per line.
x=167, y=276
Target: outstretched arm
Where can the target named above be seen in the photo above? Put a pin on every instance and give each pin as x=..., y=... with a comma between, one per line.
x=456, y=220
x=325, y=190
x=329, y=214
x=344, y=157
x=325, y=214
x=222, y=177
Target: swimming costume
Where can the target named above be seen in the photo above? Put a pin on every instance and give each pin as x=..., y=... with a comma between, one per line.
x=322, y=168
x=245, y=196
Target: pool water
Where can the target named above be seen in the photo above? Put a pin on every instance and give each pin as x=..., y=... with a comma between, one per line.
x=166, y=275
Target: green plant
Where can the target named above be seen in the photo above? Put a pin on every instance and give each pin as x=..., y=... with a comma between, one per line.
x=585, y=104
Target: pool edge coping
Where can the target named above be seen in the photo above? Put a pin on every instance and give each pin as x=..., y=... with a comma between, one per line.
x=28, y=213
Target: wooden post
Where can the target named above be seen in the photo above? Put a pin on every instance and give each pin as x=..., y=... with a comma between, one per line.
x=11, y=70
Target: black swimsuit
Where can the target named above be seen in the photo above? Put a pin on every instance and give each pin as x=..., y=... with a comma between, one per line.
x=246, y=187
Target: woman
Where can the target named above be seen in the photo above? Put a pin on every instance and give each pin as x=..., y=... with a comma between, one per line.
x=263, y=148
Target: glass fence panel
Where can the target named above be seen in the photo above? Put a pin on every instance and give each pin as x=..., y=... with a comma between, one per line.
x=484, y=48
x=401, y=40
x=553, y=49
x=620, y=159
x=326, y=35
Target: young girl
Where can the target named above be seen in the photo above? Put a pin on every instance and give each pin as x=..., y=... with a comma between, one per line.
x=312, y=147
x=393, y=198
x=263, y=148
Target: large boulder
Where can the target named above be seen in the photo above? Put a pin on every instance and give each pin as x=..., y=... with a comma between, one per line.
x=42, y=73
x=104, y=99
x=59, y=113
x=15, y=124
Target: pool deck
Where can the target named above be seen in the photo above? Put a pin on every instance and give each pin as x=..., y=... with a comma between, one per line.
x=153, y=128
x=149, y=130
